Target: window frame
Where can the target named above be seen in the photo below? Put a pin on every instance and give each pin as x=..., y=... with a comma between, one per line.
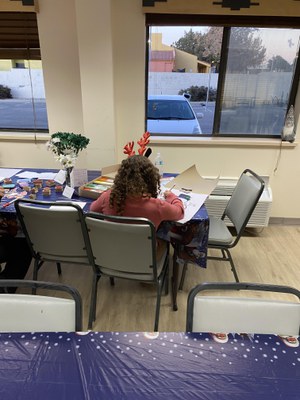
x=19, y=40
x=226, y=22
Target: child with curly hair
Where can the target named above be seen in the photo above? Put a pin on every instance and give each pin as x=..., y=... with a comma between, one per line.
x=134, y=194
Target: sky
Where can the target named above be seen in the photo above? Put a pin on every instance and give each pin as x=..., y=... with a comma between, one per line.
x=285, y=43
x=172, y=33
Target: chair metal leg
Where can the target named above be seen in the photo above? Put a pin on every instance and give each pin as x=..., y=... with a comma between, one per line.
x=229, y=258
x=58, y=266
x=175, y=280
x=226, y=256
x=93, y=305
x=36, y=267
x=183, y=276
x=35, y=270
x=162, y=283
x=167, y=277
x=157, y=311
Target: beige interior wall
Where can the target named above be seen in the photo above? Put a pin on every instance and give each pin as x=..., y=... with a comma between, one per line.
x=94, y=66
x=230, y=161
x=61, y=68
x=129, y=38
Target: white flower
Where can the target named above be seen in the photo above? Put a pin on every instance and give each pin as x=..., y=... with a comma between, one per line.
x=65, y=148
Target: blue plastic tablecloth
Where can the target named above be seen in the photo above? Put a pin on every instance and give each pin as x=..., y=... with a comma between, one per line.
x=193, y=234
x=141, y=366
x=8, y=217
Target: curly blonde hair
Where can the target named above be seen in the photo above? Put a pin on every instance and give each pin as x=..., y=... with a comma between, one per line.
x=137, y=176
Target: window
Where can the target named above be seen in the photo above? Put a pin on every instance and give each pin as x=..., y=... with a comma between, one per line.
x=241, y=80
x=22, y=93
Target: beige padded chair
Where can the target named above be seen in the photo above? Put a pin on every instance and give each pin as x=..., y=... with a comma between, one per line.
x=35, y=313
x=56, y=232
x=225, y=313
x=124, y=247
x=238, y=210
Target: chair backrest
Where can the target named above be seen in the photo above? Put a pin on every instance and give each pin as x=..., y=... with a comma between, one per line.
x=123, y=246
x=55, y=231
x=29, y=313
x=244, y=199
x=225, y=314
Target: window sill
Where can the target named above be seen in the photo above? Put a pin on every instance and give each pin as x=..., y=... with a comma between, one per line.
x=24, y=136
x=217, y=141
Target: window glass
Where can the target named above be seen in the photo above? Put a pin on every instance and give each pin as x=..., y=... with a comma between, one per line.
x=258, y=80
x=238, y=79
x=180, y=63
x=22, y=95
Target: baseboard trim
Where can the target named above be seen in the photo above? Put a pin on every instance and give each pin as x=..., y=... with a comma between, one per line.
x=284, y=221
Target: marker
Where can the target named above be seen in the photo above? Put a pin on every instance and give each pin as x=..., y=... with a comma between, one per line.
x=10, y=202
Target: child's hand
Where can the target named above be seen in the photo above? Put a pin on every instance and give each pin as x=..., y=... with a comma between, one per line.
x=167, y=193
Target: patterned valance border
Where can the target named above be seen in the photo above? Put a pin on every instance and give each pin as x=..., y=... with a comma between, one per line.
x=26, y=2
x=150, y=3
x=227, y=7
x=232, y=4
x=236, y=4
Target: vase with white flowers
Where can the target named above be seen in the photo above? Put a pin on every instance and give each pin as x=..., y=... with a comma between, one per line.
x=65, y=146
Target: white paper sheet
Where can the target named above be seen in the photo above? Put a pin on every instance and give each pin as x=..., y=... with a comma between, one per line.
x=191, y=179
x=192, y=203
x=80, y=177
x=81, y=204
x=38, y=175
x=8, y=172
x=68, y=192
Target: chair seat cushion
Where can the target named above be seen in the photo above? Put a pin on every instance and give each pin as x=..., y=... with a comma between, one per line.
x=219, y=234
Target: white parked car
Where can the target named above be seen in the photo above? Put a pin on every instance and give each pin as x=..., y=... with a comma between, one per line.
x=171, y=114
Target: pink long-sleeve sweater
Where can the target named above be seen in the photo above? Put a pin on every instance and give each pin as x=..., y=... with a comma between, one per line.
x=156, y=210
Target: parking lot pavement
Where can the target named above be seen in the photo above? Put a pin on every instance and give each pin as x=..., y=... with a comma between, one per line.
x=23, y=114
x=206, y=117
x=265, y=119
x=247, y=119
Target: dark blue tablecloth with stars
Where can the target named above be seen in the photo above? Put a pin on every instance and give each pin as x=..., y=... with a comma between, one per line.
x=141, y=366
x=8, y=217
x=191, y=238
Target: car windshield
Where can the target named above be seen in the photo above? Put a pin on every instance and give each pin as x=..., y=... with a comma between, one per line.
x=169, y=109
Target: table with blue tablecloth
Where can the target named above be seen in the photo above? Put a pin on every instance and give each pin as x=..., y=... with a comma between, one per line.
x=189, y=240
x=8, y=217
x=141, y=366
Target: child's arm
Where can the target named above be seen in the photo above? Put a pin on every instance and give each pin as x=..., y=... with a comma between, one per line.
x=172, y=208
